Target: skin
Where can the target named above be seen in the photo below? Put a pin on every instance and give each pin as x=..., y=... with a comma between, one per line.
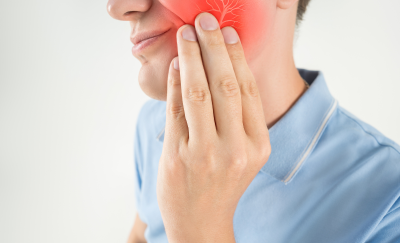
x=218, y=105
x=251, y=18
x=214, y=94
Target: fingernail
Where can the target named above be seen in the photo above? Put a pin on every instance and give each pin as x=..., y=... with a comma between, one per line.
x=230, y=35
x=189, y=33
x=176, y=63
x=208, y=22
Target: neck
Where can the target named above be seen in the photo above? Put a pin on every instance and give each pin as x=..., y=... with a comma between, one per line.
x=279, y=83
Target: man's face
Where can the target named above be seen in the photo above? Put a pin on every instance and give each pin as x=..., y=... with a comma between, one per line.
x=157, y=21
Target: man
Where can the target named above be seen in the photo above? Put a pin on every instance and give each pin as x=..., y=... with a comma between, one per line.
x=248, y=148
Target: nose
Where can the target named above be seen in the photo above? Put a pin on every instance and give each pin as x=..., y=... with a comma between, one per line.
x=125, y=9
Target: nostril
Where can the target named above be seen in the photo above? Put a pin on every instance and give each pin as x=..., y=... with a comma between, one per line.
x=129, y=12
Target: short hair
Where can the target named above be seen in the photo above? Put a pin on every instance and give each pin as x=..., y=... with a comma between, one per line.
x=301, y=9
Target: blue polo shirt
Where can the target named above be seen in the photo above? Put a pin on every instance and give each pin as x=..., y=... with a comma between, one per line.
x=330, y=177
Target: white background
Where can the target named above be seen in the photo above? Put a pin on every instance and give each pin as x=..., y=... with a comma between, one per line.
x=69, y=99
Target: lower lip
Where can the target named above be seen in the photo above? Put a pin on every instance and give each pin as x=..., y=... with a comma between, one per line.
x=136, y=49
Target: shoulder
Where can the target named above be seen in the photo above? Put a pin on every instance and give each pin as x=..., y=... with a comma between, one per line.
x=363, y=137
x=360, y=166
x=355, y=149
x=361, y=152
x=353, y=134
x=361, y=142
x=369, y=131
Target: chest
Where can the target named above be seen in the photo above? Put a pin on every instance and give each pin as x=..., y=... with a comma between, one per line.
x=270, y=211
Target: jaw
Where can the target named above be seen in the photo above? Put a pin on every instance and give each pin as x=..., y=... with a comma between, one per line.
x=153, y=75
x=252, y=19
x=264, y=33
x=152, y=80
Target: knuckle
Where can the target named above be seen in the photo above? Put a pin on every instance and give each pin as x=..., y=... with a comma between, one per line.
x=249, y=87
x=214, y=41
x=238, y=164
x=239, y=161
x=176, y=110
x=174, y=163
x=207, y=148
x=228, y=86
x=202, y=162
x=174, y=156
x=236, y=55
x=264, y=150
x=197, y=94
x=174, y=81
x=190, y=51
x=205, y=155
x=239, y=156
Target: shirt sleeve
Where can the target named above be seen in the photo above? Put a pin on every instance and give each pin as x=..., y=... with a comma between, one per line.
x=388, y=230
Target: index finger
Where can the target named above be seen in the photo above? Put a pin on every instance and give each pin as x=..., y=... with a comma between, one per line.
x=175, y=128
x=195, y=92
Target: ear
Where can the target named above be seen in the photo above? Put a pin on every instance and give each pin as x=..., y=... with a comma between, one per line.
x=285, y=4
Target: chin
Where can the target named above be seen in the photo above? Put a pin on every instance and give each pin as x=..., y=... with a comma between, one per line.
x=153, y=75
x=153, y=79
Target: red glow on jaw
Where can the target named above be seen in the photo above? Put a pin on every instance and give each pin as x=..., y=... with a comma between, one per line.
x=226, y=11
x=248, y=17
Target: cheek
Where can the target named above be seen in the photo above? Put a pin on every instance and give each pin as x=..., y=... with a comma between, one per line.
x=250, y=18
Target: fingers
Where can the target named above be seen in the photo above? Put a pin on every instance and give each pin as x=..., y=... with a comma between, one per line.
x=195, y=91
x=230, y=97
x=176, y=127
x=220, y=74
x=253, y=114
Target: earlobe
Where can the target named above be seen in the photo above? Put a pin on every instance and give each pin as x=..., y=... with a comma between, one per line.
x=285, y=4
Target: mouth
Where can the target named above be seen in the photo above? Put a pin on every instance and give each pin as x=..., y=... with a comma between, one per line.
x=142, y=41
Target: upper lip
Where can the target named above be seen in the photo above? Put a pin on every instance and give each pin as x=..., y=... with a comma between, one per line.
x=141, y=36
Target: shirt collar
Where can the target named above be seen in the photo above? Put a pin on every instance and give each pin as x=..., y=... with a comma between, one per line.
x=295, y=135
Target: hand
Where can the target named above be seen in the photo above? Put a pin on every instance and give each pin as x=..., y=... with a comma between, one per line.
x=216, y=139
